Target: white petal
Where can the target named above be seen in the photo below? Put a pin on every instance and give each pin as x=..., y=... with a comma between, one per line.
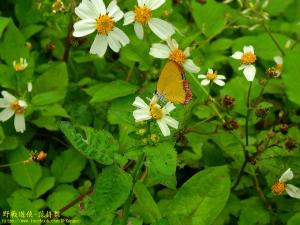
x=113, y=43
x=139, y=30
x=293, y=191
x=6, y=114
x=171, y=121
x=19, y=122
x=205, y=82
x=201, y=76
x=141, y=2
x=249, y=72
x=219, y=82
x=160, y=51
x=248, y=49
x=29, y=86
x=114, y=11
x=4, y=103
x=169, y=107
x=210, y=71
x=278, y=60
x=163, y=127
x=119, y=35
x=8, y=97
x=86, y=10
x=190, y=66
x=100, y=7
x=287, y=175
x=140, y=103
x=99, y=45
x=154, y=4
x=172, y=43
x=243, y=66
x=221, y=77
x=128, y=18
x=161, y=28
x=237, y=55
x=187, y=52
x=84, y=27
x=141, y=115
x=22, y=103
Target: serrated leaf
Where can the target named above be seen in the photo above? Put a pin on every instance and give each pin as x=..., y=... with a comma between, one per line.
x=98, y=145
x=111, y=190
x=44, y=185
x=25, y=174
x=161, y=161
x=67, y=166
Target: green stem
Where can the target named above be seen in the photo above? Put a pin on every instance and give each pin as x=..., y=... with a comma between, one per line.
x=248, y=114
x=273, y=39
x=135, y=175
x=94, y=168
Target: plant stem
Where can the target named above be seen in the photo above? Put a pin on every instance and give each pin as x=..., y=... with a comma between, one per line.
x=248, y=115
x=273, y=39
x=135, y=175
x=129, y=75
x=94, y=168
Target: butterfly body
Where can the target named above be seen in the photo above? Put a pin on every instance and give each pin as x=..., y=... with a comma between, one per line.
x=172, y=84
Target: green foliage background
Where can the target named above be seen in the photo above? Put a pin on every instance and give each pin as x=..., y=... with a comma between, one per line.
x=80, y=113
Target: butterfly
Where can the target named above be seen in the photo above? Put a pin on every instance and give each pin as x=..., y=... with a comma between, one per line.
x=172, y=84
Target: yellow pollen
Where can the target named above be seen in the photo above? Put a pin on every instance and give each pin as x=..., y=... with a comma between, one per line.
x=104, y=24
x=211, y=76
x=142, y=14
x=19, y=67
x=57, y=6
x=15, y=106
x=278, y=188
x=248, y=58
x=177, y=56
x=156, y=113
x=279, y=67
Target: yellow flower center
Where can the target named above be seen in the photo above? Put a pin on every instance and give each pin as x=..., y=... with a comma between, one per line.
x=142, y=14
x=211, y=76
x=15, y=106
x=279, y=67
x=57, y=6
x=104, y=24
x=177, y=56
x=19, y=67
x=248, y=58
x=156, y=112
x=278, y=188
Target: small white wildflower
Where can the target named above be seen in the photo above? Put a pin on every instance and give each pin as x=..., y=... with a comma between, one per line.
x=212, y=76
x=21, y=65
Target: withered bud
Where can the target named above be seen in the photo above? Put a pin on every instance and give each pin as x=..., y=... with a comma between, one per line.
x=261, y=113
x=227, y=101
x=284, y=128
x=271, y=72
x=38, y=156
x=230, y=124
x=291, y=143
x=76, y=41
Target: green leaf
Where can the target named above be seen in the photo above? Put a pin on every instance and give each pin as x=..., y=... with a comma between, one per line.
x=210, y=17
x=98, y=145
x=9, y=143
x=47, y=98
x=111, y=190
x=54, y=79
x=7, y=187
x=147, y=206
x=67, y=166
x=3, y=23
x=294, y=220
x=25, y=174
x=48, y=122
x=290, y=76
x=8, y=79
x=113, y=90
x=161, y=164
x=200, y=200
x=44, y=185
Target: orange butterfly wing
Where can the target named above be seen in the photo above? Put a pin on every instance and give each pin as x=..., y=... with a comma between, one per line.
x=172, y=84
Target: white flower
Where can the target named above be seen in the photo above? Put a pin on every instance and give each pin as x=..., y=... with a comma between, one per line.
x=29, y=86
x=279, y=64
x=142, y=16
x=96, y=17
x=21, y=65
x=13, y=106
x=280, y=186
x=247, y=59
x=173, y=53
x=154, y=111
x=212, y=76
